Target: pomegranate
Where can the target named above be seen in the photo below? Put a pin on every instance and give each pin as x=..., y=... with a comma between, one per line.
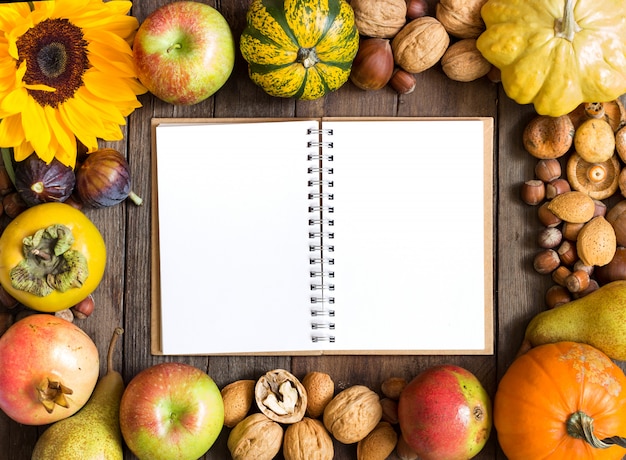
x=48, y=369
x=445, y=414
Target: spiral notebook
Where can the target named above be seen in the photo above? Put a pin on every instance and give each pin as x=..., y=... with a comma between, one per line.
x=322, y=236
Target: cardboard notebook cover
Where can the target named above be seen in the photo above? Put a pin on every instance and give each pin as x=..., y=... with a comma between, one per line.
x=314, y=236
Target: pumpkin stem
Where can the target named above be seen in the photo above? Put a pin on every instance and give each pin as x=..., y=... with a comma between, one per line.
x=580, y=426
x=566, y=27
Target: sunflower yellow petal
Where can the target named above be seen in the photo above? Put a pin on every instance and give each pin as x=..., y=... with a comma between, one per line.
x=11, y=131
x=35, y=122
x=22, y=151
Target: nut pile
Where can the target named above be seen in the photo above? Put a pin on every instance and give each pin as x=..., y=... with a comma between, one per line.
x=303, y=418
x=579, y=188
x=400, y=39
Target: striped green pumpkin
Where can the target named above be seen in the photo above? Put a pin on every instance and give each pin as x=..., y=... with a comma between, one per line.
x=299, y=48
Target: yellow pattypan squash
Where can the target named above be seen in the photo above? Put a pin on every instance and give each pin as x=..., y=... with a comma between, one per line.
x=557, y=54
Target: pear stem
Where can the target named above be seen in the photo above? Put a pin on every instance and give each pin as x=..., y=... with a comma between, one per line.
x=116, y=333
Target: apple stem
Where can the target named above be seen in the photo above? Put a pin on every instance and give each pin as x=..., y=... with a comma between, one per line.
x=116, y=333
x=173, y=47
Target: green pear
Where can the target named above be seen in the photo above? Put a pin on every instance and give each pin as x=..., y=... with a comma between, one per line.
x=597, y=319
x=94, y=431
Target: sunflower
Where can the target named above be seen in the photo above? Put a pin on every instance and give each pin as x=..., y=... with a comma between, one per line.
x=66, y=76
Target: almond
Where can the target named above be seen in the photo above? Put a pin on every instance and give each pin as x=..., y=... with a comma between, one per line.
x=238, y=397
x=378, y=444
x=320, y=389
x=596, y=243
x=573, y=206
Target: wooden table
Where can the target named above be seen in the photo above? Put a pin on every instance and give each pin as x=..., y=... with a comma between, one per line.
x=123, y=298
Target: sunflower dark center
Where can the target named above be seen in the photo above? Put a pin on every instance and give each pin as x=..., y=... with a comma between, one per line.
x=55, y=52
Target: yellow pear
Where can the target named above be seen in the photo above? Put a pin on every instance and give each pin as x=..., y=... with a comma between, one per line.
x=94, y=431
x=597, y=319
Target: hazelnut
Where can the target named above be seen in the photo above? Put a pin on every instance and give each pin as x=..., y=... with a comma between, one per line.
x=392, y=387
x=548, y=169
x=593, y=285
x=404, y=451
x=577, y=281
x=84, y=308
x=556, y=187
x=615, y=269
x=547, y=217
x=533, y=192
x=557, y=295
x=416, y=8
x=402, y=81
x=570, y=230
x=560, y=275
x=546, y=261
x=601, y=208
x=550, y=237
x=390, y=410
x=13, y=204
x=567, y=253
x=65, y=314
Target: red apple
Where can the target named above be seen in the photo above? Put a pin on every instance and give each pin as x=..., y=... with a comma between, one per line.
x=171, y=410
x=184, y=52
x=445, y=414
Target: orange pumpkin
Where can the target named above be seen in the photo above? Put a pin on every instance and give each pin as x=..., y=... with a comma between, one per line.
x=553, y=393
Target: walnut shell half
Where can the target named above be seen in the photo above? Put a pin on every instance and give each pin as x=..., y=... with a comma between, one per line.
x=352, y=414
x=280, y=396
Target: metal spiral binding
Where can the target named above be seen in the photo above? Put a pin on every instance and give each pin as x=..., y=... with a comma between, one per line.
x=320, y=236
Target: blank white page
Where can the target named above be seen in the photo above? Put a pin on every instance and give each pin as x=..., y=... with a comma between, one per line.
x=233, y=232
x=412, y=240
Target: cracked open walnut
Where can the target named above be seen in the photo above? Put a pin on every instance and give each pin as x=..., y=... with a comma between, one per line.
x=280, y=396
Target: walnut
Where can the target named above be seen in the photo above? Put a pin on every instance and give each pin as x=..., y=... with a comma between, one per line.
x=352, y=414
x=237, y=397
x=255, y=437
x=320, y=389
x=461, y=18
x=280, y=396
x=420, y=44
x=463, y=62
x=379, y=19
x=307, y=440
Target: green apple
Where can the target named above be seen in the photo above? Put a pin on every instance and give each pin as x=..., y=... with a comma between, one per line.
x=171, y=411
x=184, y=52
